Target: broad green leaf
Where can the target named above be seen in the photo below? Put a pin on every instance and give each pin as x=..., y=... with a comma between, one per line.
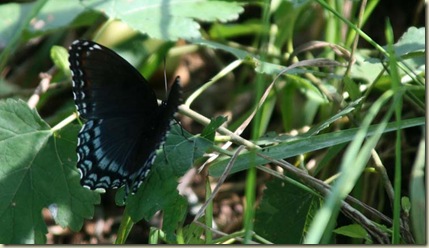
x=285, y=212
x=174, y=216
x=167, y=20
x=300, y=145
x=38, y=171
x=411, y=47
x=365, y=67
x=353, y=231
x=413, y=40
x=76, y=202
x=52, y=16
x=159, y=192
x=159, y=19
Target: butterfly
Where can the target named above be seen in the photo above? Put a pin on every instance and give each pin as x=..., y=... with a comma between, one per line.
x=124, y=123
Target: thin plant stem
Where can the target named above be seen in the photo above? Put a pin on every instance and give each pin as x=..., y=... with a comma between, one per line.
x=209, y=212
x=397, y=180
x=218, y=76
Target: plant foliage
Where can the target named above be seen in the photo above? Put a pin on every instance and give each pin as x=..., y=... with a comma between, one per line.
x=333, y=128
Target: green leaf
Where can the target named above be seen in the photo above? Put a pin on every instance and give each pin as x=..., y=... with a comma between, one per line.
x=55, y=15
x=410, y=47
x=52, y=16
x=406, y=204
x=12, y=23
x=159, y=19
x=285, y=212
x=259, y=65
x=366, y=68
x=159, y=192
x=353, y=231
x=227, y=31
x=174, y=216
x=300, y=145
x=418, y=194
x=317, y=128
x=59, y=56
x=210, y=130
x=352, y=88
x=413, y=40
x=38, y=171
x=15, y=21
x=167, y=20
x=192, y=233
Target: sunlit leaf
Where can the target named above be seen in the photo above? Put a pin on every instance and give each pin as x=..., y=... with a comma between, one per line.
x=38, y=171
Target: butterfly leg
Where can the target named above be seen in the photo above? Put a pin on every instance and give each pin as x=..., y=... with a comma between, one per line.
x=181, y=130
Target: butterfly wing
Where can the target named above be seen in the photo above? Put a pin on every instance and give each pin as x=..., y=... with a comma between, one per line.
x=164, y=116
x=105, y=85
x=104, y=147
x=116, y=146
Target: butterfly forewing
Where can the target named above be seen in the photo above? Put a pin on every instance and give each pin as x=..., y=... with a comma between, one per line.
x=125, y=125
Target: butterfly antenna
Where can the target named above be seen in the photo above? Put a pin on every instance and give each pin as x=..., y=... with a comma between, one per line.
x=165, y=78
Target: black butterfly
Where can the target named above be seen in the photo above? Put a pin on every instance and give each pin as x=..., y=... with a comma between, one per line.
x=125, y=125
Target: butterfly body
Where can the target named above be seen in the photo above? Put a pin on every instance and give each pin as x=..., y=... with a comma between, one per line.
x=124, y=123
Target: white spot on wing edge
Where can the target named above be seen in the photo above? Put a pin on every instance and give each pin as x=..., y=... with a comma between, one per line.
x=80, y=172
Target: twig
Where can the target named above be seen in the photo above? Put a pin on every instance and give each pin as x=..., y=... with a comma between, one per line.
x=242, y=127
x=41, y=88
x=185, y=110
x=220, y=182
x=215, y=191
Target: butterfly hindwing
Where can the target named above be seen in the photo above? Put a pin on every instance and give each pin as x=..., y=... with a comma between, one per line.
x=125, y=126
